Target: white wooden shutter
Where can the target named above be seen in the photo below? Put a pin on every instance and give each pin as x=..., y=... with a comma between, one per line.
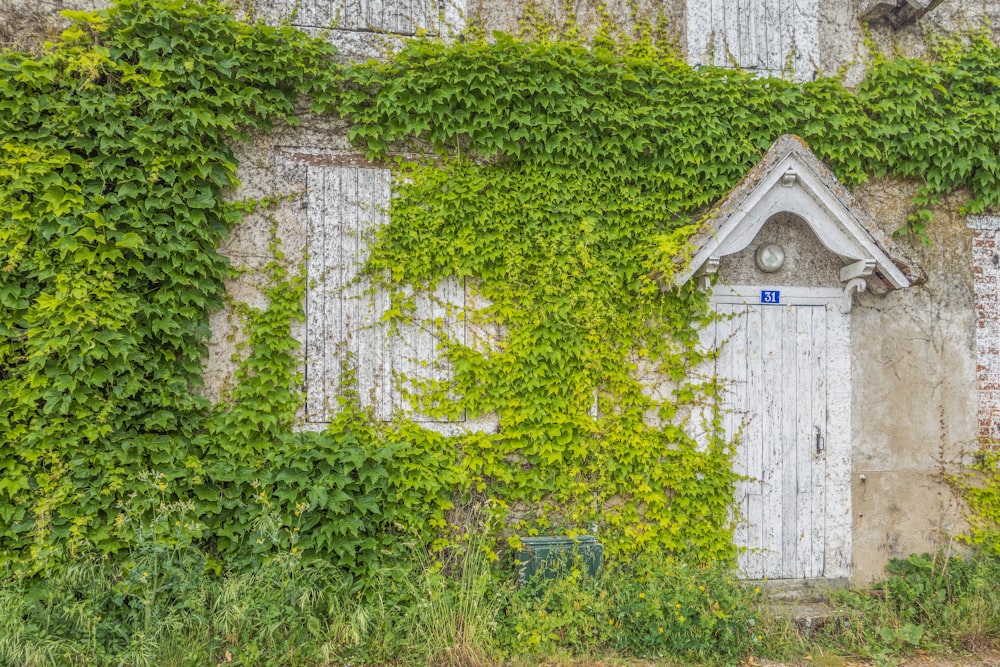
x=401, y=17
x=346, y=206
x=769, y=36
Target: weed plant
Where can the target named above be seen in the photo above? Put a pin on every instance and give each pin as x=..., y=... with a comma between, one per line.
x=650, y=608
x=929, y=602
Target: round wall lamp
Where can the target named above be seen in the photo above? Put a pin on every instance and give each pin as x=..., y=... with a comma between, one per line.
x=770, y=257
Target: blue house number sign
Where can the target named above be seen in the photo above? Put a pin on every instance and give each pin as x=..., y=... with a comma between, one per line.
x=770, y=296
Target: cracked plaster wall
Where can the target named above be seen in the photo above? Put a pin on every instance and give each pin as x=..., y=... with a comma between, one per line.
x=915, y=399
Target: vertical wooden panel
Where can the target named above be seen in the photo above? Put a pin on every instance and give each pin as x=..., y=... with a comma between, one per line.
x=739, y=422
x=699, y=31
x=748, y=32
x=378, y=189
x=730, y=31
x=346, y=207
x=790, y=443
x=754, y=442
x=364, y=328
x=837, y=498
x=316, y=398
x=763, y=35
x=717, y=33
x=403, y=17
x=805, y=449
x=820, y=427
x=771, y=411
x=770, y=32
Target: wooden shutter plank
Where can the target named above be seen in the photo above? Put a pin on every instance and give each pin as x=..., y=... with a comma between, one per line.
x=316, y=392
x=401, y=17
x=763, y=35
x=770, y=33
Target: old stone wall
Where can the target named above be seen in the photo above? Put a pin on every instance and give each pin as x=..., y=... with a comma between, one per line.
x=27, y=24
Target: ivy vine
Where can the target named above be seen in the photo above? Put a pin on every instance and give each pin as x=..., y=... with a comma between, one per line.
x=569, y=179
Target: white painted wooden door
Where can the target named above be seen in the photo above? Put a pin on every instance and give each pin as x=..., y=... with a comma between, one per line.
x=787, y=400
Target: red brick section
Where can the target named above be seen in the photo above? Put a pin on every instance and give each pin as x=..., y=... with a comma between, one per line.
x=986, y=271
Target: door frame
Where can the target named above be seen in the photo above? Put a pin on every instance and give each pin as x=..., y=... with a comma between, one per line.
x=837, y=515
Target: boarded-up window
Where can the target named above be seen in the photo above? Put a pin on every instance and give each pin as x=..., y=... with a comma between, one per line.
x=346, y=206
x=774, y=37
x=401, y=17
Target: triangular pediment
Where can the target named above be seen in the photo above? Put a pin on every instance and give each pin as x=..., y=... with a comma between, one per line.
x=790, y=179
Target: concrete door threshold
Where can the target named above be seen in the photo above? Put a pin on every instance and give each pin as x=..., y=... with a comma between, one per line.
x=806, y=602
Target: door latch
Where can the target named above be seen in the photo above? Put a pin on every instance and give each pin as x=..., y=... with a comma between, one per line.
x=820, y=442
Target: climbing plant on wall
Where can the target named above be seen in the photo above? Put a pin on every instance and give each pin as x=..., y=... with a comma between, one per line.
x=567, y=181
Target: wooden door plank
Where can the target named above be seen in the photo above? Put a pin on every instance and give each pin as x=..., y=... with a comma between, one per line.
x=754, y=442
x=805, y=449
x=837, y=555
x=790, y=443
x=725, y=340
x=772, y=413
x=819, y=410
x=734, y=370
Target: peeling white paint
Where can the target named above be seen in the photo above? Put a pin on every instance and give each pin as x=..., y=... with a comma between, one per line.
x=346, y=206
x=786, y=373
x=773, y=37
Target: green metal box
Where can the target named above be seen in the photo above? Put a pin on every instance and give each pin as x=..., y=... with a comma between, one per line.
x=548, y=557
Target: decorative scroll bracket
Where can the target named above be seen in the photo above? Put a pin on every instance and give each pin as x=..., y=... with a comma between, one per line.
x=860, y=269
x=708, y=269
x=847, y=301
